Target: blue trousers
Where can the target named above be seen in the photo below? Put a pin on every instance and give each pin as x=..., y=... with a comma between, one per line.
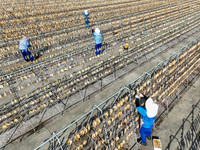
x=87, y=24
x=26, y=53
x=87, y=21
x=98, y=46
x=145, y=132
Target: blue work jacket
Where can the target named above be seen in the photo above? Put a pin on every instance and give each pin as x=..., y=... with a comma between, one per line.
x=86, y=16
x=97, y=38
x=148, y=122
x=24, y=44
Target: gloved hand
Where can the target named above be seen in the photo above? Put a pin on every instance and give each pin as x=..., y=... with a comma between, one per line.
x=141, y=95
x=145, y=97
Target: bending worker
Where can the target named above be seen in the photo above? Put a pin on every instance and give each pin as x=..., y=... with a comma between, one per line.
x=147, y=117
x=23, y=46
x=97, y=39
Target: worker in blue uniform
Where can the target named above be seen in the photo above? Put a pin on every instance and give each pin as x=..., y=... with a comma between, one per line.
x=147, y=116
x=97, y=39
x=86, y=14
x=23, y=46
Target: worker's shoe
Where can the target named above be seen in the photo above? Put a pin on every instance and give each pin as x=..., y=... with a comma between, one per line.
x=144, y=144
x=96, y=53
x=139, y=140
x=149, y=138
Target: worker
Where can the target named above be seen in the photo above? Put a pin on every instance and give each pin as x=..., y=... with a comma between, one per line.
x=23, y=46
x=86, y=14
x=97, y=39
x=147, y=116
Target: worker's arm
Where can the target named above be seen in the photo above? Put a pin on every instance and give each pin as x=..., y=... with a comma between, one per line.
x=28, y=43
x=93, y=31
x=141, y=110
x=137, y=104
x=85, y=15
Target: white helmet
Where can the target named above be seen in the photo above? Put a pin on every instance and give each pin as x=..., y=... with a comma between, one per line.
x=86, y=12
x=151, y=107
x=97, y=30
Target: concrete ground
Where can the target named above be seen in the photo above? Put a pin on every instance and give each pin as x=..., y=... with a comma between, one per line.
x=61, y=121
x=173, y=121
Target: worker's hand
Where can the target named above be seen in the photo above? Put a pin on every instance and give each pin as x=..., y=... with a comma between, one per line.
x=140, y=94
x=93, y=27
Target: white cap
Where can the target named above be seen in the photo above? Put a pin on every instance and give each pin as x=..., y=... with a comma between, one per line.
x=24, y=38
x=97, y=30
x=151, y=107
x=86, y=12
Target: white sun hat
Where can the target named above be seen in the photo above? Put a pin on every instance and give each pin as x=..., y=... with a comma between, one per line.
x=97, y=30
x=151, y=107
x=86, y=12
